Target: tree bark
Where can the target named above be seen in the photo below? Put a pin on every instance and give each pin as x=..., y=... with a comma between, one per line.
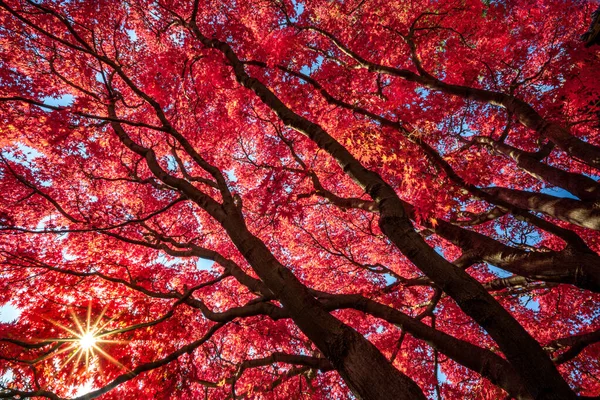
x=527, y=115
x=524, y=353
x=566, y=266
x=362, y=366
x=482, y=361
x=581, y=213
x=579, y=185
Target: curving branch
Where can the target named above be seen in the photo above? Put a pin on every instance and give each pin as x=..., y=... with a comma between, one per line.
x=574, y=345
x=521, y=349
x=581, y=213
x=524, y=112
x=580, y=185
x=484, y=362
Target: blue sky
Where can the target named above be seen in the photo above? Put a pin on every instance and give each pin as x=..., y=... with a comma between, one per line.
x=61, y=101
x=9, y=313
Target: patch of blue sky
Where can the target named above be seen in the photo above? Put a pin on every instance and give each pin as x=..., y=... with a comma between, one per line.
x=99, y=77
x=168, y=261
x=155, y=14
x=591, y=174
x=204, y=265
x=422, y=92
x=308, y=69
x=463, y=129
x=389, y=279
x=543, y=88
x=171, y=163
x=231, y=175
x=82, y=150
x=45, y=183
x=305, y=70
x=587, y=319
x=529, y=303
x=500, y=273
x=288, y=188
x=558, y=192
x=61, y=101
x=7, y=377
x=132, y=35
x=25, y=155
x=441, y=376
x=177, y=38
x=298, y=10
x=9, y=313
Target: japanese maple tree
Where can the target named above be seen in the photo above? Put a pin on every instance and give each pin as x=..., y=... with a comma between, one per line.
x=279, y=199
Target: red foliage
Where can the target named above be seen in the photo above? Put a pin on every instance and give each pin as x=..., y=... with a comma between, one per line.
x=162, y=161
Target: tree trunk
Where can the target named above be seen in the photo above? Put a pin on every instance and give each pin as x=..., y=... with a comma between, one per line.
x=362, y=366
x=523, y=352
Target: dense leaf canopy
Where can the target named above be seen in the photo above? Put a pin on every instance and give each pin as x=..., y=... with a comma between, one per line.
x=276, y=199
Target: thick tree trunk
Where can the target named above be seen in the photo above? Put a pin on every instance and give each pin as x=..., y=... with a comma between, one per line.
x=362, y=366
x=485, y=362
x=518, y=346
x=525, y=354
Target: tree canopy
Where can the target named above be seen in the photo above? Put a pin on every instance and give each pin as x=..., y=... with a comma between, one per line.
x=276, y=199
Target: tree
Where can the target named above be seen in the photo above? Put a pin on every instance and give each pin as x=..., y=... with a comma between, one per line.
x=282, y=199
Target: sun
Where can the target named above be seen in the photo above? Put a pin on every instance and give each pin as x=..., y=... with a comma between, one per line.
x=87, y=341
